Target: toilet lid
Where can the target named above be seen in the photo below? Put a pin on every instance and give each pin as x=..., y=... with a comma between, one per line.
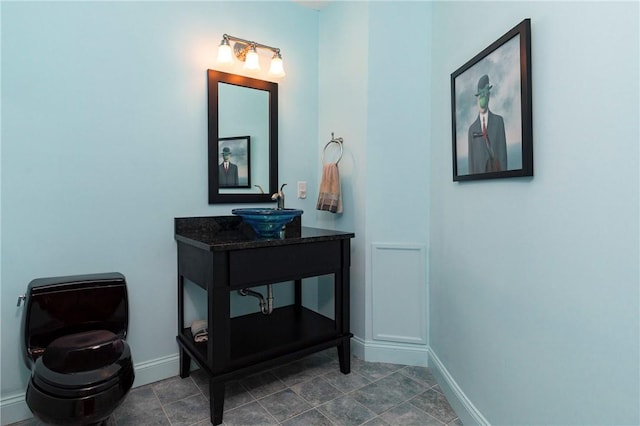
x=83, y=359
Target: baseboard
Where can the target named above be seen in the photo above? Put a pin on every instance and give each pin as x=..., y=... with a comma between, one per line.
x=464, y=408
x=393, y=353
x=14, y=408
x=156, y=369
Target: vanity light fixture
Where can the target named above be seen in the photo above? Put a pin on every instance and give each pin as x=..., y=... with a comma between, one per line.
x=247, y=52
x=251, y=59
x=224, y=52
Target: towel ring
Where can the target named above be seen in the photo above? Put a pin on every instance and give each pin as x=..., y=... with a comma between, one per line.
x=339, y=141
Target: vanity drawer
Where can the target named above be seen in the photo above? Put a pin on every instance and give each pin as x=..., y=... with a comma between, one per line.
x=283, y=263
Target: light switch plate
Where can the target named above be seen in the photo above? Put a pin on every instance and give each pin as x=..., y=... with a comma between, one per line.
x=302, y=189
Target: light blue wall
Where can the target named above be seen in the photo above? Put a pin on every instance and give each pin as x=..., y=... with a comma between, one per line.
x=343, y=94
x=104, y=142
x=534, y=282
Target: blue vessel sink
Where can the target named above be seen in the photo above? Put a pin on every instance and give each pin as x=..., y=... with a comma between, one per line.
x=267, y=223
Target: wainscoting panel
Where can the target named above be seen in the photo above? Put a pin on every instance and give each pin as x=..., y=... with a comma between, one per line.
x=399, y=293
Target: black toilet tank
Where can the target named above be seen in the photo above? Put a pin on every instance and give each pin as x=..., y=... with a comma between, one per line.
x=60, y=306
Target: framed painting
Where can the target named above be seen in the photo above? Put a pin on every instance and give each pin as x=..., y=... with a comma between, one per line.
x=234, y=162
x=491, y=110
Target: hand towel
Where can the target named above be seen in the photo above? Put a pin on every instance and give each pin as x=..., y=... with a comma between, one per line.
x=199, y=330
x=329, y=198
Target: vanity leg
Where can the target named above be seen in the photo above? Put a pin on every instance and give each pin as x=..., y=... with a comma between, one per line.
x=216, y=401
x=185, y=363
x=344, y=356
x=185, y=359
x=298, y=292
x=341, y=291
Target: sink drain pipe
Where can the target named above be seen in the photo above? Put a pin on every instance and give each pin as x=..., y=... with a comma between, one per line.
x=266, y=307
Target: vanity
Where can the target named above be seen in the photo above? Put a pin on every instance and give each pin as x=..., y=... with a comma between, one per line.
x=221, y=254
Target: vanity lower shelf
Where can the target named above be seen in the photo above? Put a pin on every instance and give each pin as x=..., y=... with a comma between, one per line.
x=257, y=338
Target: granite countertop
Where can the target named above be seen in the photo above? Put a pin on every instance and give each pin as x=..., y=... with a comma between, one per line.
x=219, y=233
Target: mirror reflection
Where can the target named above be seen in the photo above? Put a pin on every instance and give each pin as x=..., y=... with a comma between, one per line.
x=242, y=138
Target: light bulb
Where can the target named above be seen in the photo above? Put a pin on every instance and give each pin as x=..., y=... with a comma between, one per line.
x=276, y=69
x=252, y=61
x=224, y=52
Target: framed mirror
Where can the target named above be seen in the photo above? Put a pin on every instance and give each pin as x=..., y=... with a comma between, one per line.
x=243, y=138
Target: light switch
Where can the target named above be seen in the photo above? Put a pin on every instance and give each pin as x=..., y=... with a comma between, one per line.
x=302, y=189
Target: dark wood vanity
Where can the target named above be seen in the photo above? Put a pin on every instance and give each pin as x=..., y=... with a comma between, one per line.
x=221, y=254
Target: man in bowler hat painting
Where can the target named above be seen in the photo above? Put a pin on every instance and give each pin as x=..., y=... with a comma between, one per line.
x=487, y=139
x=227, y=171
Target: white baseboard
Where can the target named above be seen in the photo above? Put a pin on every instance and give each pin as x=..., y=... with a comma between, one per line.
x=156, y=369
x=13, y=408
x=464, y=408
x=393, y=353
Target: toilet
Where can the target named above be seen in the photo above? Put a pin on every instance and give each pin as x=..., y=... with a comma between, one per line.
x=74, y=331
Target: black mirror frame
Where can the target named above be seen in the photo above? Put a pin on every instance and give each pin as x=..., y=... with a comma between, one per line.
x=213, y=78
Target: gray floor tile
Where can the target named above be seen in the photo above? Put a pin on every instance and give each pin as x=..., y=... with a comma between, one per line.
x=316, y=391
x=373, y=370
x=409, y=415
x=37, y=422
x=319, y=364
x=201, y=380
x=346, y=411
x=284, y=405
x=188, y=411
x=262, y=384
x=154, y=417
x=174, y=389
x=236, y=395
x=346, y=382
x=249, y=414
x=295, y=372
x=420, y=374
x=308, y=418
x=436, y=404
x=376, y=421
x=138, y=399
x=28, y=422
x=385, y=393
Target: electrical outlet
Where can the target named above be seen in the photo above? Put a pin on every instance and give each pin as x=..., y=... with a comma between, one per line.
x=302, y=189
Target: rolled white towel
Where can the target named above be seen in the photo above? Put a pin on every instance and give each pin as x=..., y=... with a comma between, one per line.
x=200, y=331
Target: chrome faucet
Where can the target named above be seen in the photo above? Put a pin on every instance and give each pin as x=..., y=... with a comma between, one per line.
x=279, y=197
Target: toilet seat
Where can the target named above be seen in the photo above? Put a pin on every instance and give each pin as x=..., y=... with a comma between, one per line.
x=83, y=363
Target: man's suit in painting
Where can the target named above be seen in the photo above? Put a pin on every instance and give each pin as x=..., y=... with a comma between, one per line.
x=487, y=153
x=228, y=177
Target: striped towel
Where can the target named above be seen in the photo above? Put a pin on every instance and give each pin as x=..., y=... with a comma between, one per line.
x=329, y=198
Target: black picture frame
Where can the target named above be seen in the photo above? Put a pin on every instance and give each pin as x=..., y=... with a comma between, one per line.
x=238, y=172
x=501, y=74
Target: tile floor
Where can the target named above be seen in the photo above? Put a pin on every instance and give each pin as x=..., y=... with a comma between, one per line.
x=307, y=392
